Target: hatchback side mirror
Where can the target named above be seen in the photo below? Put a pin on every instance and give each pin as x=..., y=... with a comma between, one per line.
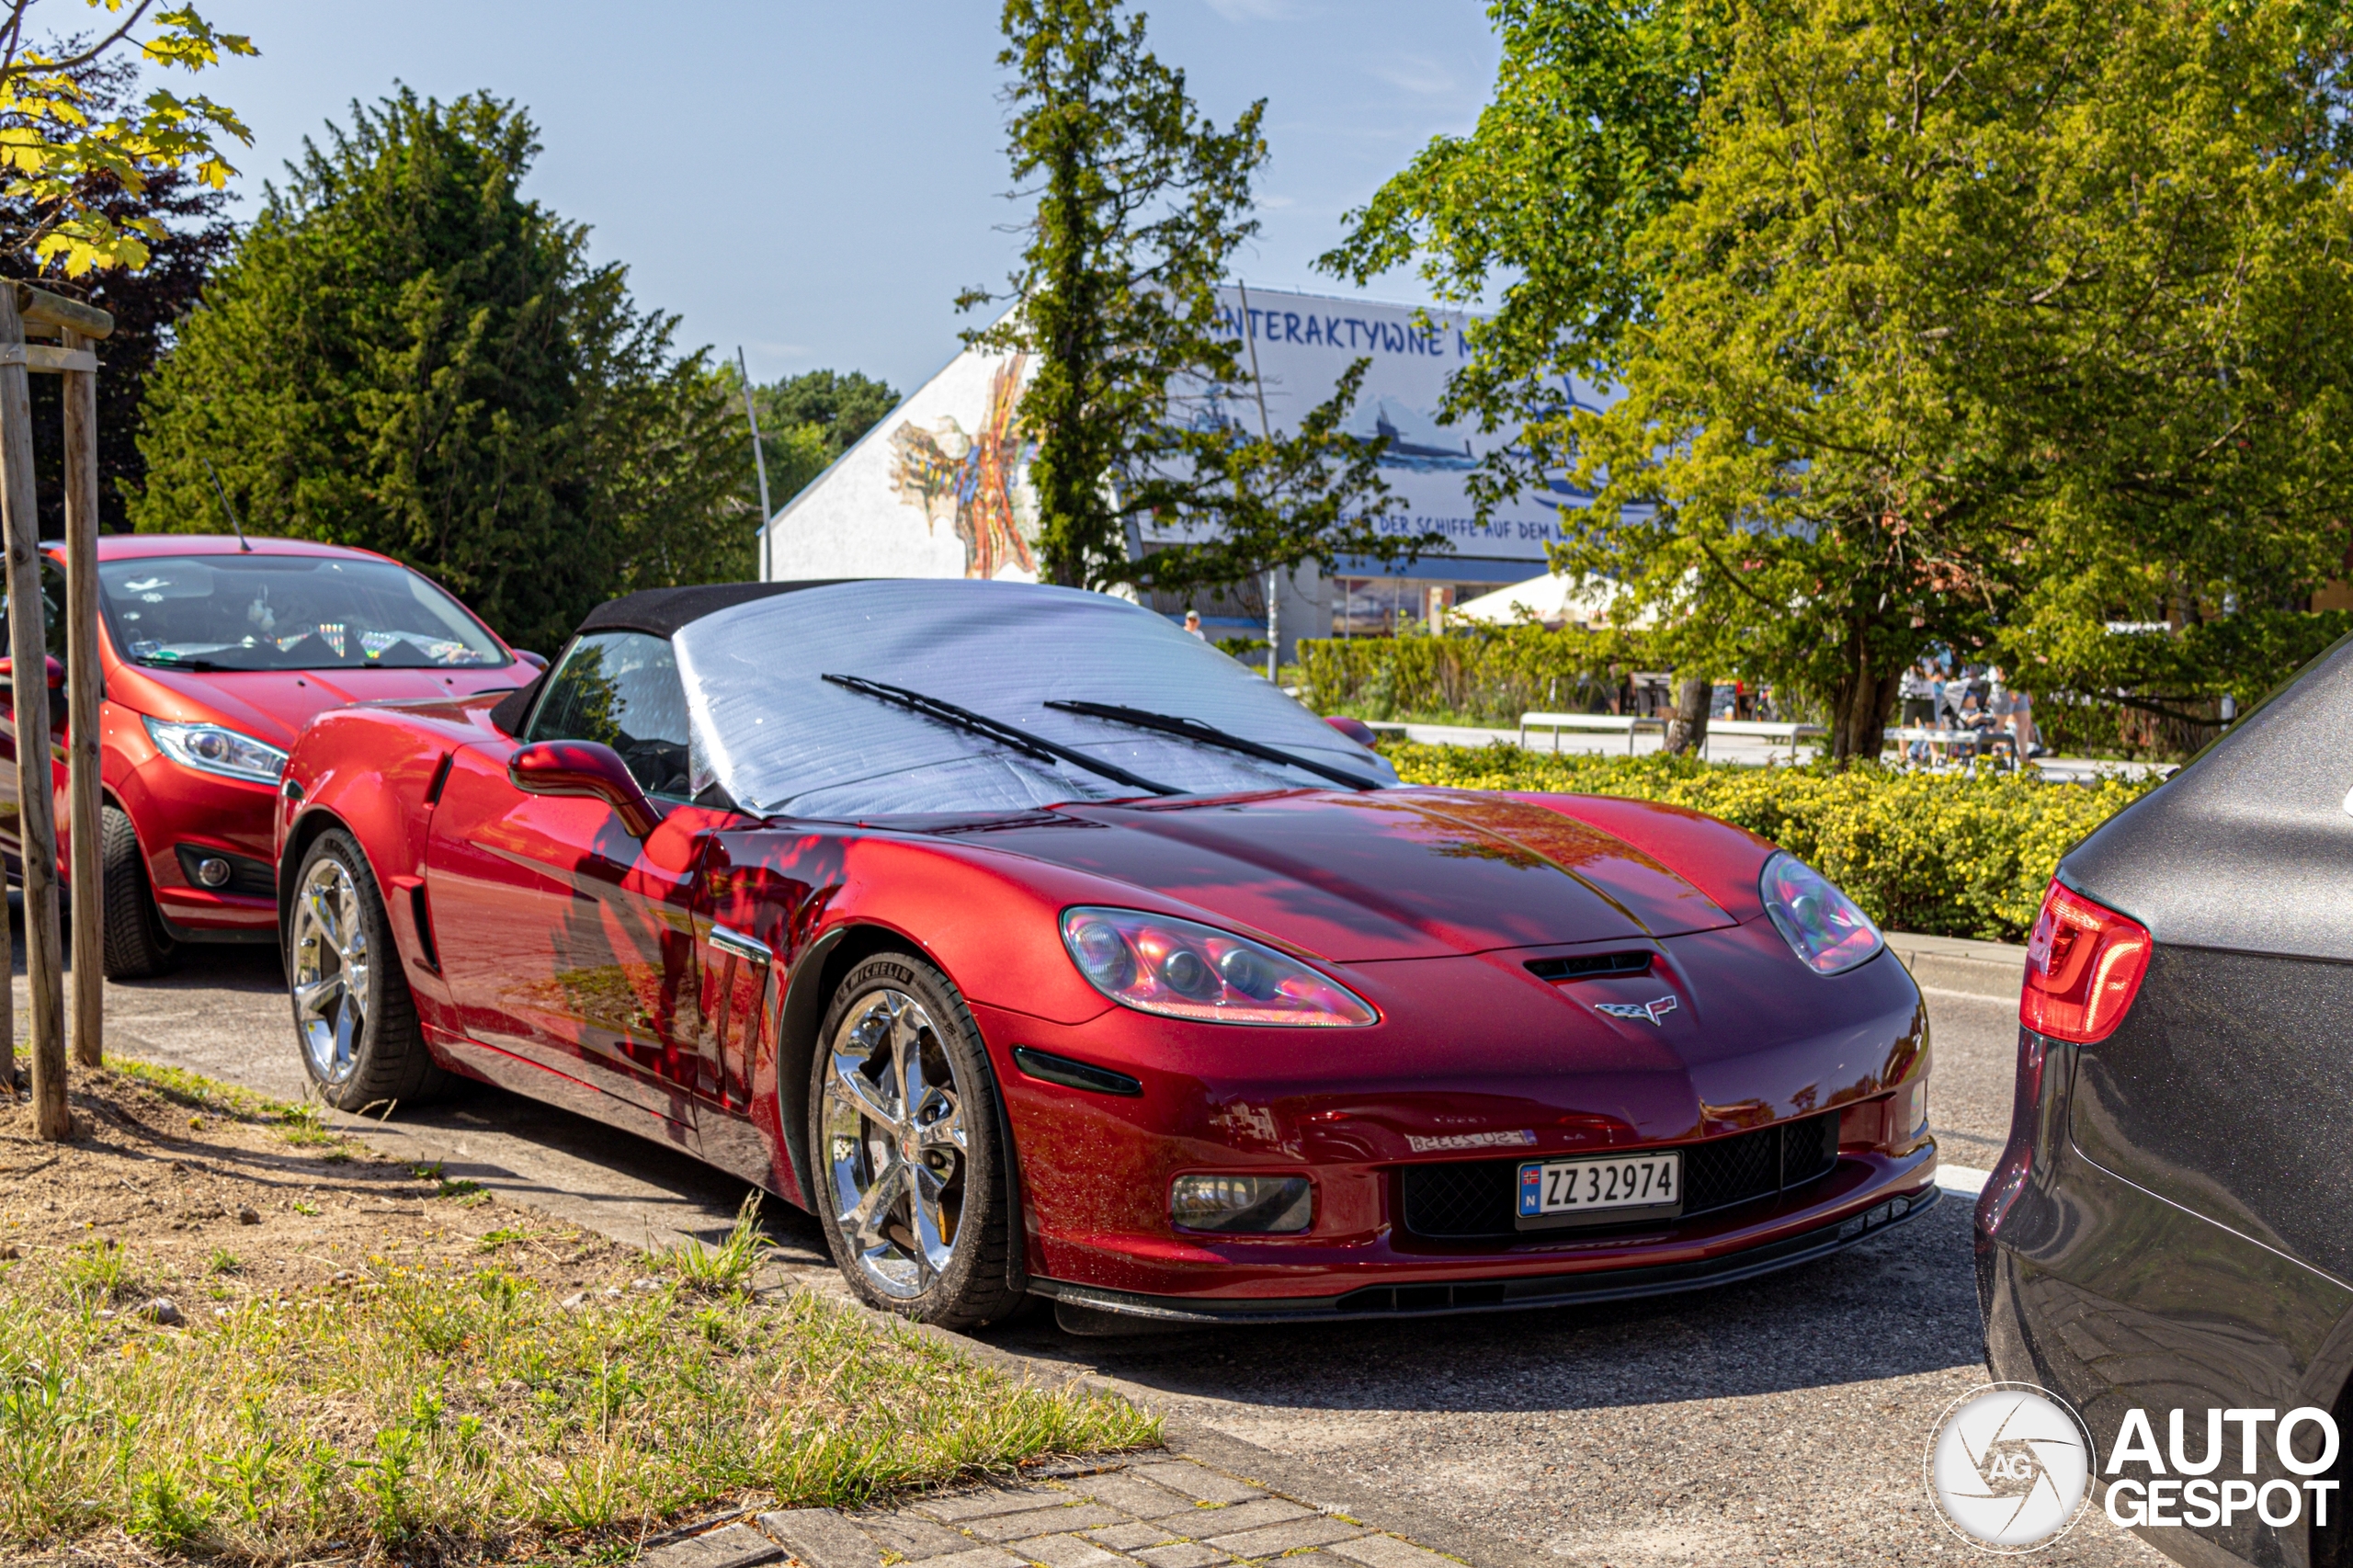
x=52, y=665
x=586, y=768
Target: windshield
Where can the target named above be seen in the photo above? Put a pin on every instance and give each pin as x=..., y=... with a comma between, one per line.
x=768, y=727
x=287, y=612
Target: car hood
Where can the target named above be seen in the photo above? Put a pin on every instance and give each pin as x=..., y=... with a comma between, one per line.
x=273, y=705
x=1385, y=874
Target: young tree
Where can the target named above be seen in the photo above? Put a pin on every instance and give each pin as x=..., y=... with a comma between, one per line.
x=404, y=354
x=63, y=149
x=186, y=235
x=1141, y=203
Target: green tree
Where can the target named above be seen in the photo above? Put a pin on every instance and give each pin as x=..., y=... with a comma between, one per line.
x=1595, y=118
x=808, y=420
x=1980, y=318
x=1969, y=325
x=1141, y=203
x=404, y=354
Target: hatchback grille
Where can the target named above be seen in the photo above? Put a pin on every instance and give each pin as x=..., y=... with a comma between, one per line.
x=1463, y=1199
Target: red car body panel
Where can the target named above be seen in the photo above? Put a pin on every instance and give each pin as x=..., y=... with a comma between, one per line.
x=171, y=805
x=551, y=952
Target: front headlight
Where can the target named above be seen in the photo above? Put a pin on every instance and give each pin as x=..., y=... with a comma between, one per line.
x=1822, y=924
x=209, y=748
x=1155, y=964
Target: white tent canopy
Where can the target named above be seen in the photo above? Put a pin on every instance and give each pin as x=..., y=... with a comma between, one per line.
x=1554, y=599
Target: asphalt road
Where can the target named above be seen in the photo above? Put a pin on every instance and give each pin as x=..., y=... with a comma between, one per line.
x=1778, y=1422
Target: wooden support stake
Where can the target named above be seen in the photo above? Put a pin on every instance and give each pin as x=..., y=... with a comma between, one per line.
x=36, y=774
x=82, y=678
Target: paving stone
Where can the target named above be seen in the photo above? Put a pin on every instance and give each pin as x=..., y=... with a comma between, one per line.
x=1199, y=1522
x=1130, y=1495
x=1183, y=1554
x=1196, y=1481
x=1127, y=1537
x=978, y=1556
x=1273, y=1541
x=823, y=1538
x=912, y=1535
x=956, y=1508
x=1387, y=1552
x=1064, y=1552
x=737, y=1546
x=1043, y=1521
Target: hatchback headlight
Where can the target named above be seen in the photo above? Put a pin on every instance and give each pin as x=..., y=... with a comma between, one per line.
x=209, y=748
x=1822, y=924
x=1155, y=964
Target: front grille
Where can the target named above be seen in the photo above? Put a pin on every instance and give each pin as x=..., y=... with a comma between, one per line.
x=1472, y=1200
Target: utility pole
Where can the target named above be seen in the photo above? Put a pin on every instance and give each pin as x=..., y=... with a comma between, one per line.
x=759, y=459
x=1266, y=430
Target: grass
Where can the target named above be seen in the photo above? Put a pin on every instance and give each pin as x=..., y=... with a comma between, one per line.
x=446, y=1412
x=302, y=1125
x=730, y=1266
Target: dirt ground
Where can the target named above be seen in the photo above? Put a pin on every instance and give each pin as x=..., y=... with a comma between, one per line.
x=213, y=1200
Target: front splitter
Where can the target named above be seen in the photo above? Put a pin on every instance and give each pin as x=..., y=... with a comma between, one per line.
x=1518, y=1295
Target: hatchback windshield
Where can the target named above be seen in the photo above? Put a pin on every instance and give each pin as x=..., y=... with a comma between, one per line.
x=287, y=612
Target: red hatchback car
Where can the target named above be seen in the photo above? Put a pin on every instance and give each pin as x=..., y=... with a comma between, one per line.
x=1041, y=949
x=215, y=654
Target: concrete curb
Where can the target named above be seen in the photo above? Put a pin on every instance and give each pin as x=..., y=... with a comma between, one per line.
x=1957, y=963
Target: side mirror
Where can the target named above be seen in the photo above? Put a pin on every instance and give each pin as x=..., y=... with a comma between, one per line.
x=585, y=769
x=52, y=665
x=537, y=660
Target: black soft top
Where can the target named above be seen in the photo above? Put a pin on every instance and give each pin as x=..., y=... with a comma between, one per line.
x=661, y=611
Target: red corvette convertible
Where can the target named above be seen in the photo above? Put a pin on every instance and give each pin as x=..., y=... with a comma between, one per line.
x=1041, y=949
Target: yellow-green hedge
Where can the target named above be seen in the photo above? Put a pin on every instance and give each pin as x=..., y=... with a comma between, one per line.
x=1939, y=854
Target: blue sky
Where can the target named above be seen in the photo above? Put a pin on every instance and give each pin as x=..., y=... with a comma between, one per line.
x=816, y=181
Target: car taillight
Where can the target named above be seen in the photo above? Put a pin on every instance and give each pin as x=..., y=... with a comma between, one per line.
x=2084, y=966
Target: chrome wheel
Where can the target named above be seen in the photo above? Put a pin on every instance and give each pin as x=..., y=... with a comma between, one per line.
x=330, y=970
x=895, y=1148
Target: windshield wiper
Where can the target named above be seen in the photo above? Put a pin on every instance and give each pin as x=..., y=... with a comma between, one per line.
x=1003, y=734
x=1210, y=735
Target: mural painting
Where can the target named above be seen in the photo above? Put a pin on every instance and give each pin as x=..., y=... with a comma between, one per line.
x=978, y=481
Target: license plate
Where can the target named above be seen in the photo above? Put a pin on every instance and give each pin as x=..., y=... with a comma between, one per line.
x=1559, y=1189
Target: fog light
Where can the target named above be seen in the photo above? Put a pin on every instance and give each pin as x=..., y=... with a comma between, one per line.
x=212, y=871
x=1261, y=1204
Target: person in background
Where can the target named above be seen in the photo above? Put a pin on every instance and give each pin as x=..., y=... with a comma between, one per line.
x=2014, y=709
x=1919, y=692
x=1193, y=624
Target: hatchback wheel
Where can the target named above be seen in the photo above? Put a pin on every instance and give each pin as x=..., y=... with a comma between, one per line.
x=908, y=1163
x=132, y=942
x=353, y=1015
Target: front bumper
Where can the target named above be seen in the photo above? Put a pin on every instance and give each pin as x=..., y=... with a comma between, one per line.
x=1518, y=1292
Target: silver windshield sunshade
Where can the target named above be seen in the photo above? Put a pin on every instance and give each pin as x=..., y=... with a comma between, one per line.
x=769, y=729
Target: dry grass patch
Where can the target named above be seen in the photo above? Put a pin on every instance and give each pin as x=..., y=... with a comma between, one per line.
x=399, y=1376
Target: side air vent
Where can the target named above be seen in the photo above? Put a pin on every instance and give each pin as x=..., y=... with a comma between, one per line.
x=1587, y=966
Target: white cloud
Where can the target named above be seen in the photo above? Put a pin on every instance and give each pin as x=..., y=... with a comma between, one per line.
x=1254, y=10
x=1416, y=73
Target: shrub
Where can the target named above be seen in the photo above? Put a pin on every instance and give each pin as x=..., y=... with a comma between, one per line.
x=1939, y=854
x=1494, y=674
